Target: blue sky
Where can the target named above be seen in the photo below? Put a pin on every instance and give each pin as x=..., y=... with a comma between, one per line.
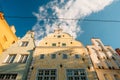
x=108, y=32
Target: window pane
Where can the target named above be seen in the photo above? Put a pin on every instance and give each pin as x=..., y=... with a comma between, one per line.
x=24, y=43
x=8, y=76
x=77, y=56
x=64, y=56
x=64, y=44
x=10, y=58
x=53, y=56
x=76, y=74
x=42, y=56
x=53, y=44
x=23, y=58
x=46, y=74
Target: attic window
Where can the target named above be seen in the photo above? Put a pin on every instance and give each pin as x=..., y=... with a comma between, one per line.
x=59, y=36
x=53, y=44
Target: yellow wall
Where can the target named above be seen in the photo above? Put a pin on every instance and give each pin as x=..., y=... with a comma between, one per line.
x=7, y=36
x=72, y=48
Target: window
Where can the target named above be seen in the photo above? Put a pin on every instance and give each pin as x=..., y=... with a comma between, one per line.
x=53, y=44
x=42, y=56
x=76, y=74
x=8, y=76
x=64, y=56
x=77, y=56
x=10, y=58
x=113, y=58
x=106, y=77
x=47, y=74
x=23, y=58
x=59, y=36
x=64, y=44
x=117, y=63
x=116, y=77
x=24, y=43
x=53, y=56
x=108, y=64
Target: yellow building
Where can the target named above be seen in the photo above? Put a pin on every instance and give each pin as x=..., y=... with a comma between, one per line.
x=7, y=34
x=59, y=57
x=105, y=60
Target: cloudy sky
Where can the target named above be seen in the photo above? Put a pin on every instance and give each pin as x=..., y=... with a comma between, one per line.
x=83, y=19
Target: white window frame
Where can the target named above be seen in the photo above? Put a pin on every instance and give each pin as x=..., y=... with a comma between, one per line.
x=79, y=75
x=21, y=60
x=13, y=57
x=49, y=74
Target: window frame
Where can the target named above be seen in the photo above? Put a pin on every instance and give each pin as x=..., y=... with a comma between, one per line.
x=12, y=76
x=49, y=74
x=73, y=75
x=64, y=56
x=24, y=43
x=9, y=57
x=64, y=45
x=77, y=56
x=53, y=56
x=42, y=56
x=23, y=57
x=53, y=44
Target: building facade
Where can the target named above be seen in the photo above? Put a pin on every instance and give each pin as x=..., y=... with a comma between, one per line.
x=59, y=57
x=118, y=50
x=7, y=34
x=105, y=60
x=16, y=60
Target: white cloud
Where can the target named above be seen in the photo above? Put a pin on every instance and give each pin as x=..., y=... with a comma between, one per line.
x=67, y=9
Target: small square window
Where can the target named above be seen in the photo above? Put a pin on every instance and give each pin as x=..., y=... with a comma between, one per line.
x=53, y=56
x=64, y=56
x=42, y=56
x=77, y=56
x=63, y=44
x=53, y=44
x=59, y=36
